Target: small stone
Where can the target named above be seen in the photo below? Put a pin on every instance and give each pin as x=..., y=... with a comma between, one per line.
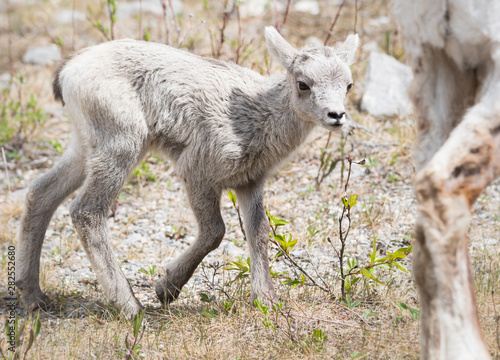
x=65, y=16
x=42, y=55
x=4, y=81
x=253, y=8
x=130, y=9
x=307, y=6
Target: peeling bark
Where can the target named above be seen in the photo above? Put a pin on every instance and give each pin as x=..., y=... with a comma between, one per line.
x=455, y=90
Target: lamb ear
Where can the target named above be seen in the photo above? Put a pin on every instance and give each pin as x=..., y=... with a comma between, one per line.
x=279, y=48
x=347, y=50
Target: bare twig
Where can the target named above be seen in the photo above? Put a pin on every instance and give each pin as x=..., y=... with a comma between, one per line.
x=295, y=264
x=276, y=19
x=112, y=17
x=287, y=9
x=346, y=212
x=6, y=169
x=97, y=23
x=320, y=178
x=497, y=319
x=225, y=19
x=11, y=59
x=238, y=49
x=177, y=25
x=140, y=20
x=352, y=312
x=316, y=270
x=355, y=14
x=73, y=25
x=165, y=21
x=241, y=222
x=327, y=165
x=325, y=320
x=211, y=283
x=330, y=31
x=1, y=353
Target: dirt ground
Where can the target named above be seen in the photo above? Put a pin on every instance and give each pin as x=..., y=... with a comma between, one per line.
x=151, y=223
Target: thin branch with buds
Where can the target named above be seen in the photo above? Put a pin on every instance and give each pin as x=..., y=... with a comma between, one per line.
x=295, y=264
x=330, y=31
x=346, y=213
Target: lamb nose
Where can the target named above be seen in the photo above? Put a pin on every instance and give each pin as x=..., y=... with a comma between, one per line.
x=335, y=115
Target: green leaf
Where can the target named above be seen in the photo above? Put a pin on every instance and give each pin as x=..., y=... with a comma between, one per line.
x=369, y=313
x=401, y=267
x=356, y=355
x=332, y=167
x=291, y=282
x=402, y=305
x=382, y=259
x=30, y=341
x=373, y=254
x=367, y=273
x=210, y=314
x=232, y=196
x=239, y=264
x=400, y=253
x=353, y=200
x=37, y=325
x=205, y=298
x=280, y=222
x=415, y=313
x=138, y=318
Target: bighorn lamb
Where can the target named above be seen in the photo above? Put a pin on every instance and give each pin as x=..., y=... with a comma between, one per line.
x=221, y=125
x=454, y=47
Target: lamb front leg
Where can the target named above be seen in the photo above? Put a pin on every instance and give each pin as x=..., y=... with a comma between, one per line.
x=257, y=231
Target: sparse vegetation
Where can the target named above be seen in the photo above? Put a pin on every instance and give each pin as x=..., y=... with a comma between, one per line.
x=357, y=302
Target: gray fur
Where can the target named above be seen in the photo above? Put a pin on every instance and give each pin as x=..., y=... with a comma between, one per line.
x=222, y=126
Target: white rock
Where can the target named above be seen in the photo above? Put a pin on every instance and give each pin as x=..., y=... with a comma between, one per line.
x=133, y=239
x=18, y=195
x=253, y=8
x=314, y=41
x=130, y=9
x=307, y=6
x=4, y=81
x=370, y=47
x=386, y=86
x=65, y=16
x=43, y=55
x=232, y=250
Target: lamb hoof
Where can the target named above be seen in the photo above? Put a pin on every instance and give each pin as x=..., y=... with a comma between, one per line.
x=166, y=291
x=131, y=309
x=35, y=300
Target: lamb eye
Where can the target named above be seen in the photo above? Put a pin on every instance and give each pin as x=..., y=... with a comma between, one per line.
x=349, y=87
x=303, y=86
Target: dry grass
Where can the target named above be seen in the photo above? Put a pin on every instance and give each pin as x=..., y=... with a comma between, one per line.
x=80, y=325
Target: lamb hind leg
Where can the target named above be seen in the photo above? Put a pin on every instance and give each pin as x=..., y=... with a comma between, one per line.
x=446, y=190
x=108, y=170
x=205, y=203
x=44, y=196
